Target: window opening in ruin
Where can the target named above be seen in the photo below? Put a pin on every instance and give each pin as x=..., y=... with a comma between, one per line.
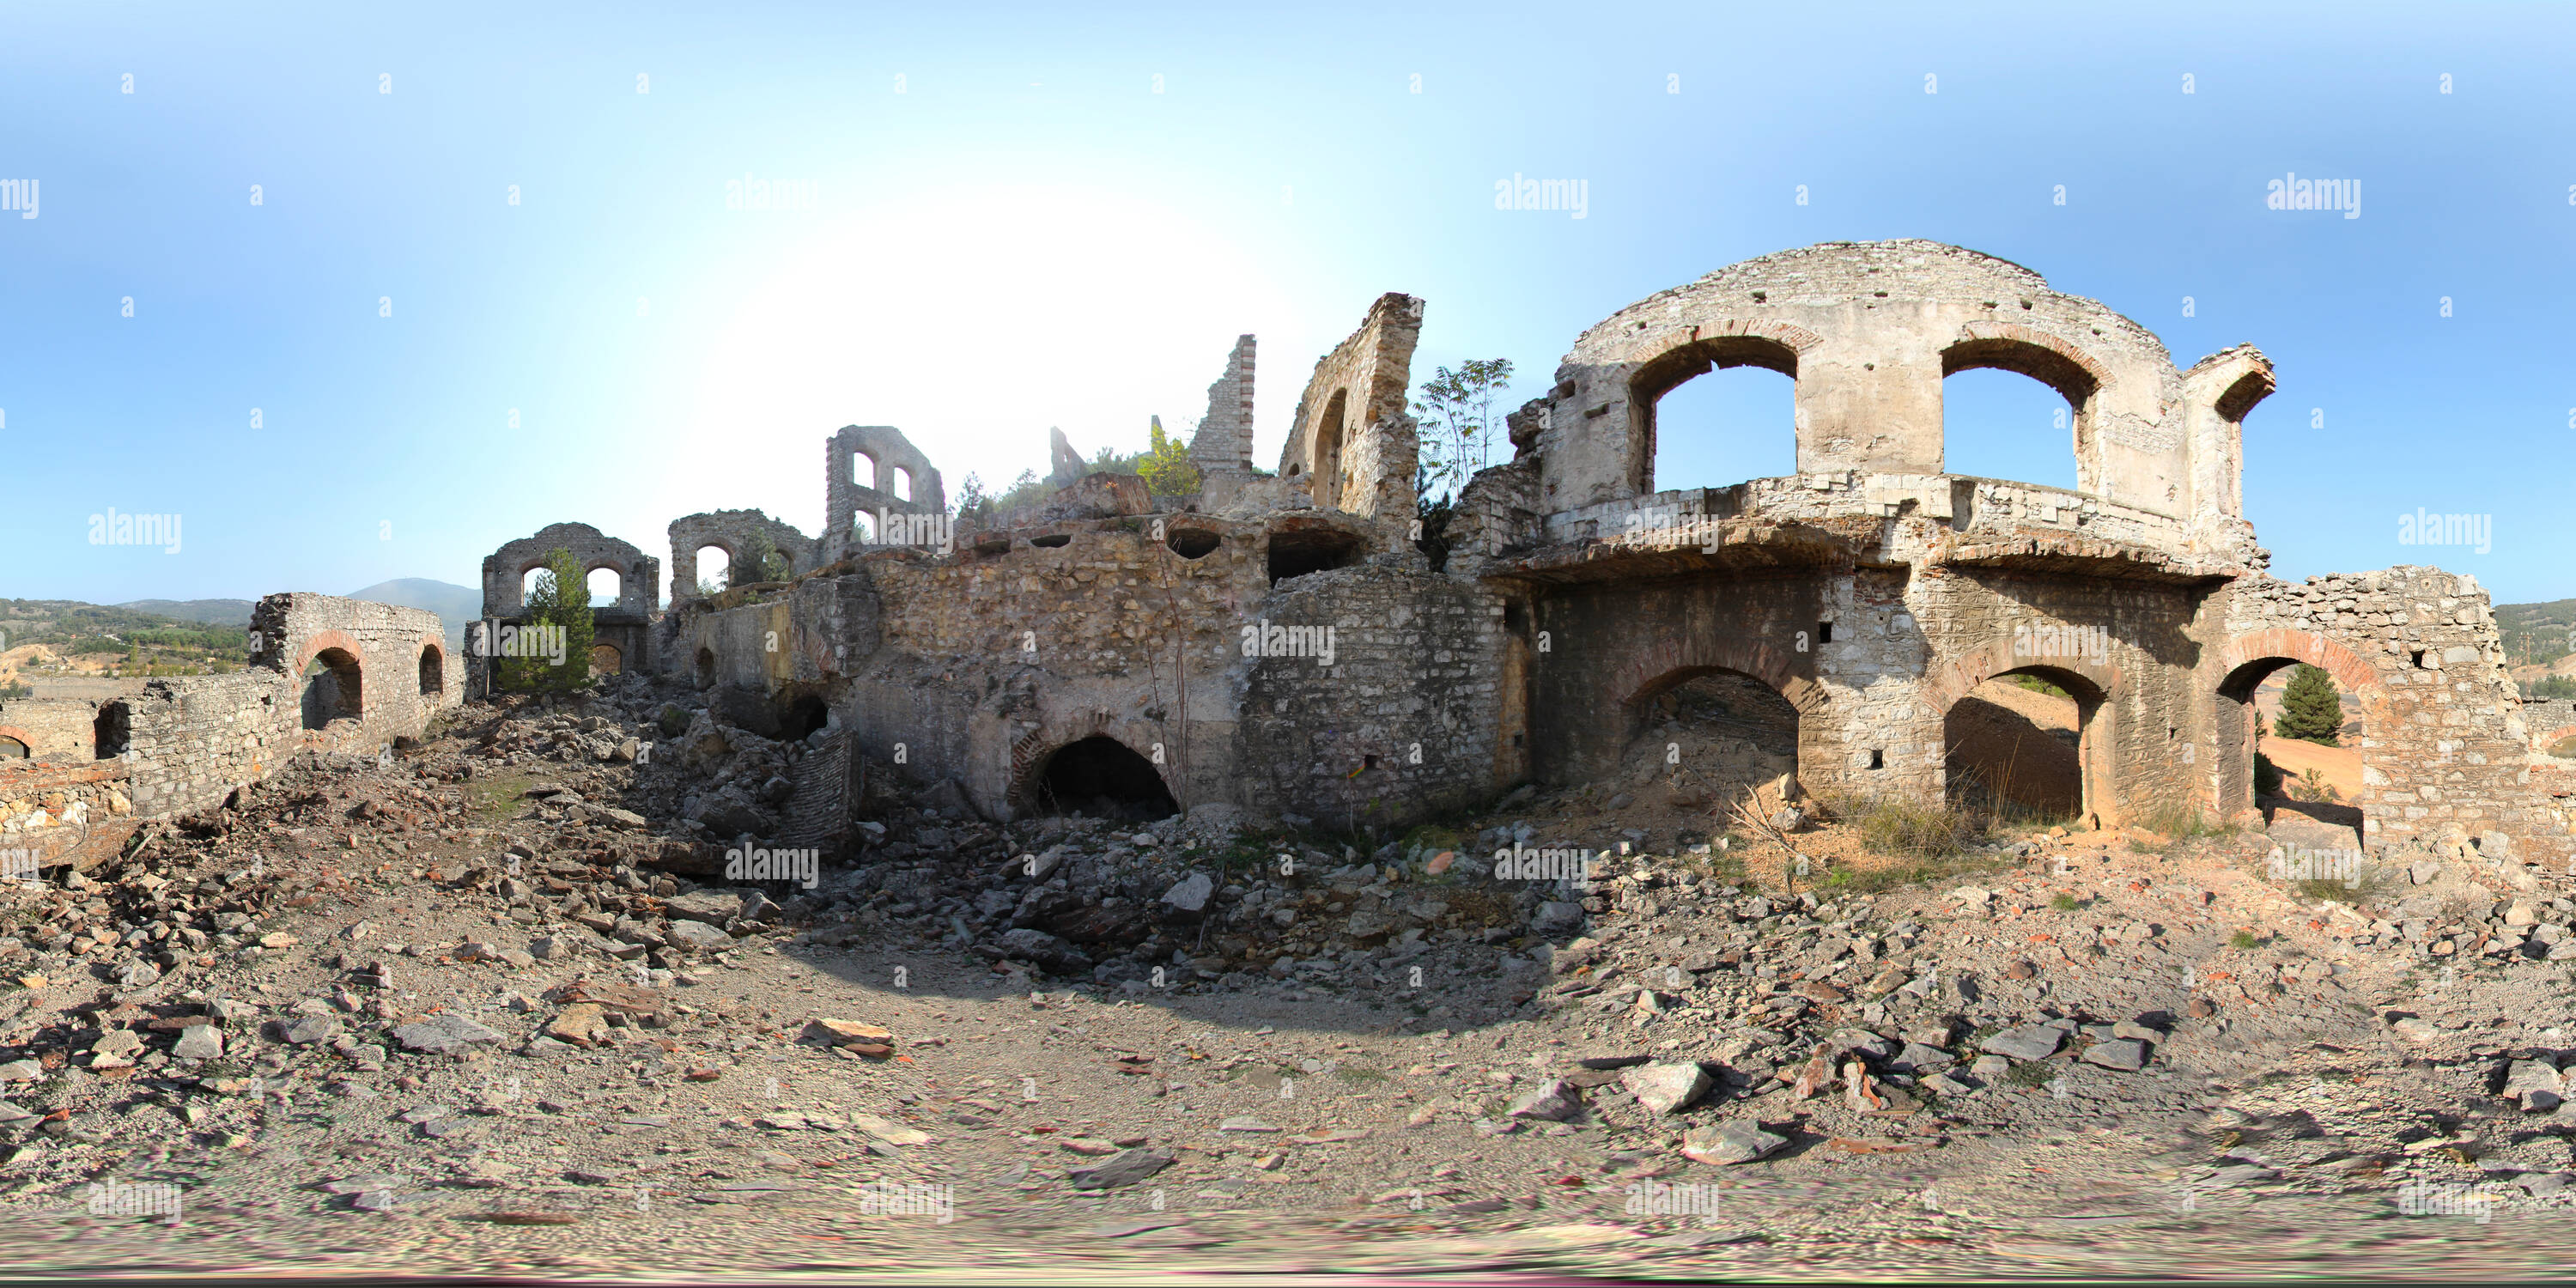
x=706, y=668
x=1193, y=543
x=863, y=528
x=333, y=689
x=802, y=717
x=528, y=584
x=1515, y=617
x=1052, y=542
x=1716, y=413
x=2013, y=748
x=993, y=543
x=1710, y=735
x=1297, y=553
x=1101, y=777
x=2009, y=410
x=1877, y=758
x=715, y=569
x=112, y=732
x=902, y=484
x=1328, y=450
x=1824, y=632
x=863, y=470
x=606, y=587
x=606, y=660
x=1368, y=763
x=12, y=749
x=433, y=671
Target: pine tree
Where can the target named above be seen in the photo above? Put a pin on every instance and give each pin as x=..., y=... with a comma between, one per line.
x=2309, y=709
x=561, y=598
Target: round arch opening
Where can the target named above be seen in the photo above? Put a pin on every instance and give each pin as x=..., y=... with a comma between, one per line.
x=1100, y=777
x=2021, y=749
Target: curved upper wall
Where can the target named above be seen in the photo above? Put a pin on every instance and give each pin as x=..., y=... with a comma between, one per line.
x=1869, y=330
x=639, y=578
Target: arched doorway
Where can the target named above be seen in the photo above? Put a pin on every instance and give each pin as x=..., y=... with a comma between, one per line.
x=802, y=716
x=606, y=660
x=433, y=672
x=2248, y=664
x=1708, y=736
x=334, y=688
x=11, y=748
x=1100, y=777
x=2014, y=748
x=706, y=668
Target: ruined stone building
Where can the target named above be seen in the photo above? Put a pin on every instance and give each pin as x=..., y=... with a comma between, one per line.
x=1290, y=643
x=1282, y=643
x=326, y=675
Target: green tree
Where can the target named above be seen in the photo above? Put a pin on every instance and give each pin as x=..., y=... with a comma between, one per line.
x=760, y=561
x=971, y=501
x=2309, y=710
x=560, y=599
x=1457, y=411
x=1167, y=466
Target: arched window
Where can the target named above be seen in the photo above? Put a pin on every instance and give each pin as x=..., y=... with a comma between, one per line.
x=528, y=584
x=606, y=587
x=2014, y=410
x=433, y=672
x=1707, y=422
x=902, y=484
x=714, y=569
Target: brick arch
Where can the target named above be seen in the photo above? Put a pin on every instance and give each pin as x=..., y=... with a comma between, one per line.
x=2540, y=744
x=1030, y=750
x=316, y=642
x=1644, y=675
x=429, y=644
x=2044, y=356
x=2348, y=668
x=25, y=739
x=1950, y=681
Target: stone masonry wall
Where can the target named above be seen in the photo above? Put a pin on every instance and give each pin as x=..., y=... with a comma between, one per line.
x=1400, y=727
x=54, y=815
x=2444, y=747
x=56, y=729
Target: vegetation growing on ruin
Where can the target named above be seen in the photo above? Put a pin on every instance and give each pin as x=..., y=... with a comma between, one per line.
x=560, y=599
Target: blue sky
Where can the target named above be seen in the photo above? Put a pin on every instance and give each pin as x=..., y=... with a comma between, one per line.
x=1011, y=229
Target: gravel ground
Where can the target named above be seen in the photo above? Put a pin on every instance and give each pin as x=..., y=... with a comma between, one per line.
x=475, y=1016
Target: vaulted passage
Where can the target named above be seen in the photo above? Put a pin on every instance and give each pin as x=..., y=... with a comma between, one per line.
x=1708, y=737
x=333, y=689
x=1099, y=777
x=1297, y=553
x=2014, y=751
x=802, y=718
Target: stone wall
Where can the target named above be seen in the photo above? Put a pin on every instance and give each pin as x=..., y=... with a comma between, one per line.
x=54, y=729
x=880, y=450
x=193, y=740
x=1868, y=331
x=2444, y=746
x=54, y=815
x=624, y=625
x=1351, y=437
x=730, y=531
x=1401, y=725
x=1223, y=442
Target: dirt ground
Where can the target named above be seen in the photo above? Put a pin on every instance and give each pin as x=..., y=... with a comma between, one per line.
x=465, y=1028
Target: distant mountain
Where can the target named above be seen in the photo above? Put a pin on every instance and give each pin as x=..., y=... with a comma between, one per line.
x=455, y=605
x=213, y=612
